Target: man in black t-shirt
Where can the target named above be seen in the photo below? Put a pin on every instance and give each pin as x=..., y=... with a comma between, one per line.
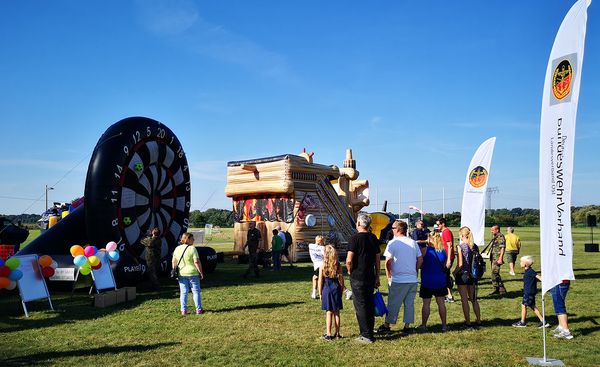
x=363, y=263
x=252, y=241
x=421, y=234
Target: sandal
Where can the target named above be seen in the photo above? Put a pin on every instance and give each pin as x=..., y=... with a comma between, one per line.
x=338, y=336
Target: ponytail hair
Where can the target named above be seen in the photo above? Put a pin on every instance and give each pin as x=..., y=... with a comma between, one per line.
x=466, y=233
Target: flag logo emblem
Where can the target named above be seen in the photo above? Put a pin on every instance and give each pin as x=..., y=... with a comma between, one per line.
x=478, y=177
x=561, y=80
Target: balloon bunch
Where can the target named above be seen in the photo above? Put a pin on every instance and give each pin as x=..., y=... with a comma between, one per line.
x=89, y=258
x=9, y=273
x=48, y=266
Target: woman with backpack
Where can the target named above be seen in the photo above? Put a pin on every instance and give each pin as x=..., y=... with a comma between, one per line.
x=467, y=285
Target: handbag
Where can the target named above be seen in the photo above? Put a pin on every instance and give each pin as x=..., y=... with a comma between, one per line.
x=175, y=270
x=380, y=307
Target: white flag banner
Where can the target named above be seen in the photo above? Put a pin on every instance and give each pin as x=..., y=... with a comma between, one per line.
x=557, y=145
x=472, y=213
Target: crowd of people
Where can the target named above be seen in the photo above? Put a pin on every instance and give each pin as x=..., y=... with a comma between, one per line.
x=432, y=253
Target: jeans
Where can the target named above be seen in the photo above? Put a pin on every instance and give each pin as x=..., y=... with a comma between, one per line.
x=185, y=283
x=559, y=294
x=276, y=260
x=401, y=294
x=362, y=297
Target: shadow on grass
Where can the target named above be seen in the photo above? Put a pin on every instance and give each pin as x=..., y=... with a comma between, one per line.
x=257, y=306
x=511, y=294
x=574, y=319
x=46, y=358
x=588, y=276
x=66, y=310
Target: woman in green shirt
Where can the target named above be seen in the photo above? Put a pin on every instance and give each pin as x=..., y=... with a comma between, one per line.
x=186, y=258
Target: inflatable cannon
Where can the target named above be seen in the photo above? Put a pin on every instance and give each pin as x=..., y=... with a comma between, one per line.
x=138, y=179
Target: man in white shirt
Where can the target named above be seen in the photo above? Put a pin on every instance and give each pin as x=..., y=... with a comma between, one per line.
x=402, y=260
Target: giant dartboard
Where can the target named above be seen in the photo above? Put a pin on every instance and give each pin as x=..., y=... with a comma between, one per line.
x=138, y=179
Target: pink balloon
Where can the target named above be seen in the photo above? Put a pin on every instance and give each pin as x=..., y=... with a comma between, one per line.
x=111, y=246
x=90, y=251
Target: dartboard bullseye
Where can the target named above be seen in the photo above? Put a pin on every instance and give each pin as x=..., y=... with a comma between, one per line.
x=149, y=186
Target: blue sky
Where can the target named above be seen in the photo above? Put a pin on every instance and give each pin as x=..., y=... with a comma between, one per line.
x=413, y=87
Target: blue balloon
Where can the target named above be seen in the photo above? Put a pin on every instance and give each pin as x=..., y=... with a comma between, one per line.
x=1, y=262
x=113, y=255
x=80, y=260
x=15, y=275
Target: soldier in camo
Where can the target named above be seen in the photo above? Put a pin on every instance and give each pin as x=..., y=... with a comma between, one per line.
x=498, y=246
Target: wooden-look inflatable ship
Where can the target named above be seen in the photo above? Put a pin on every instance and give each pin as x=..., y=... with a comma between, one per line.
x=305, y=198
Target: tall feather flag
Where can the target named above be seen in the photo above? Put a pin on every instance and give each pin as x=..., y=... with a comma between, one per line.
x=472, y=213
x=557, y=145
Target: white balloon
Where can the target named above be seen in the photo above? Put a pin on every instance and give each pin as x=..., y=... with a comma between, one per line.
x=54, y=264
x=12, y=285
x=310, y=220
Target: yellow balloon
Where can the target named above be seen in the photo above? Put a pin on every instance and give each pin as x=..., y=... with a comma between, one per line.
x=94, y=260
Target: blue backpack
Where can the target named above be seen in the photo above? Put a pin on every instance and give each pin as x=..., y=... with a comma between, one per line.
x=477, y=264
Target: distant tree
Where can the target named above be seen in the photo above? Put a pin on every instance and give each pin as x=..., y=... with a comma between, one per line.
x=579, y=214
x=217, y=217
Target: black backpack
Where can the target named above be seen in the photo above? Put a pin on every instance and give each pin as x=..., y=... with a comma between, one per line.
x=288, y=240
x=477, y=264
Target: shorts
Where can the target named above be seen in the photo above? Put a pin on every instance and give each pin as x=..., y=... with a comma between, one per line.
x=285, y=252
x=511, y=256
x=559, y=294
x=430, y=292
x=316, y=272
x=528, y=300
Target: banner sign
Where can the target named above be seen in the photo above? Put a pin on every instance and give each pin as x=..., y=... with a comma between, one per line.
x=472, y=213
x=557, y=145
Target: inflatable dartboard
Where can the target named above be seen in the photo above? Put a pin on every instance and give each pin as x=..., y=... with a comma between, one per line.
x=138, y=179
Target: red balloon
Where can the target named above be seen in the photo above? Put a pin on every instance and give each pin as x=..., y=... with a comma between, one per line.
x=4, y=271
x=97, y=266
x=4, y=282
x=47, y=272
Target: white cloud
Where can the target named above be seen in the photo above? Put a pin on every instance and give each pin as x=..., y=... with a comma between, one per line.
x=167, y=17
x=209, y=170
x=376, y=120
x=179, y=21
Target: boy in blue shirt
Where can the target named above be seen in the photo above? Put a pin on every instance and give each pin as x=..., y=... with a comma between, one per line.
x=530, y=278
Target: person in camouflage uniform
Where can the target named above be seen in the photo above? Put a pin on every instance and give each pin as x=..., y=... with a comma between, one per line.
x=153, y=244
x=498, y=246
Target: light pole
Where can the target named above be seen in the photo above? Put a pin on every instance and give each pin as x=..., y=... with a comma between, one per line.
x=48, y=188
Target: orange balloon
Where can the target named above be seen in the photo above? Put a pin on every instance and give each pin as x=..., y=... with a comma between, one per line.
x=45, y=261
x=76, y=250
x=4, y=282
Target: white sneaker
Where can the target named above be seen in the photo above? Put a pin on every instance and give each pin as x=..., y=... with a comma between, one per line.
x=348, y=294
x=512, y=273
x=314, y=294
x=558, y=330
x=564, y=334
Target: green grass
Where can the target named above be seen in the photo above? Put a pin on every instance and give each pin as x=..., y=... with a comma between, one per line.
x=272, y=321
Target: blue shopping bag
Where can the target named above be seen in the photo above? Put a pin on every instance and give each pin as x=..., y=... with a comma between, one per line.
x=380, y=308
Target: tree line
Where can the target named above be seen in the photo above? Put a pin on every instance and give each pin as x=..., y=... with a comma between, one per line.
x=515, y=217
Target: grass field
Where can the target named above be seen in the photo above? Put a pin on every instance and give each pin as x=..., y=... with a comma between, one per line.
x=272, y=321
